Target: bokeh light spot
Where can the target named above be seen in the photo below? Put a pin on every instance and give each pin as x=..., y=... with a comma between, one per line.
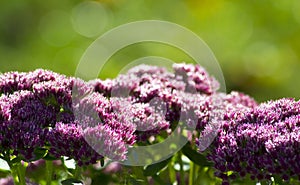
x=89, y=18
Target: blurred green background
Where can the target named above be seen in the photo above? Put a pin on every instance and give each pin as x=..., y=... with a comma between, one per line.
x=257, y=43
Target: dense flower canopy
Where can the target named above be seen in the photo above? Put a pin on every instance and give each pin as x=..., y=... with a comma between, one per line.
x=263, y=142
x=42, y=110
x=87, y=121
x=102, y=118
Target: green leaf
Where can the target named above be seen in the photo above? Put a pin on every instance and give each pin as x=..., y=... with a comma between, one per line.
x=49, y=157
x=195, y=156
x=16, y=160
x=71, y=182
x=133, y=181
x=158, y=179
x=39, y=153
x=154, y=168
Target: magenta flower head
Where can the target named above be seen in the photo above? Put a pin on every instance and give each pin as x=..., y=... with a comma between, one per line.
x=15, y=81
x=24, y=118
x=68, y=140
x=88, y=121
x=220, y=107
x=144, y=82
x=92, y=128
x=196, y=78
x=262, y=142
x=37, y=111
x=158, y=98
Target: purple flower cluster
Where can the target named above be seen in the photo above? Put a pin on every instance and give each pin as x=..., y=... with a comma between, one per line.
x=262, y=142
x=221, y=107
x=158, y=98
x=87, y=121
x=37, y=112
x=196, y=78
x=21, y=126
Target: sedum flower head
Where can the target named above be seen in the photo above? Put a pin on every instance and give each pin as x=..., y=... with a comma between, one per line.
x=158, y=99
x=262, y=142
x=38, y=111
x=87, y=121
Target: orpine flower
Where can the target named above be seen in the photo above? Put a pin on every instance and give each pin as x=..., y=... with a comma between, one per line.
x=145, y=119
x=51, y=109
x=144, y=82
x=262, y=142
x=182, y=95
x=196, y=78
x=68, y=140
x=38, y=111
x=15, y=81
x=219, y=108
x=24, y=123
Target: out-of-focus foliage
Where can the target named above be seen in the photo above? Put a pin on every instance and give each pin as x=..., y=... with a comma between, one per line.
x=257, y=43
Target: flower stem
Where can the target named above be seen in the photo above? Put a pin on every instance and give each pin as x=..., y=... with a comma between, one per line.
x=49, y=171
x=191, y=175
x=77, y=174
x=138, y=172
x=172, y=172
x=18, y=173
x=181, y=167
x=14, y=174
x=198, y=174
x=21, y=174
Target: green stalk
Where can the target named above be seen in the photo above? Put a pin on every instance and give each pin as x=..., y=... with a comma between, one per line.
x=172, y=173
x=138, y=172
x=158, y=179
x=181, y=167
x=198, y=174
x=18, y=173
x=77, y=174
x=49, y=171
x=14, y=174
x=191, y=175
x=21, y=174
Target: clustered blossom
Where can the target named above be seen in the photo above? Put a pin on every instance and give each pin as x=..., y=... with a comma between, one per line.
x=68, y=140
x=263, y=142
x=43, y=109
x=196, y=78
x=21, y=124
x=221, y=106
x=87, y=121
x=37, y=112
x=158, y=98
